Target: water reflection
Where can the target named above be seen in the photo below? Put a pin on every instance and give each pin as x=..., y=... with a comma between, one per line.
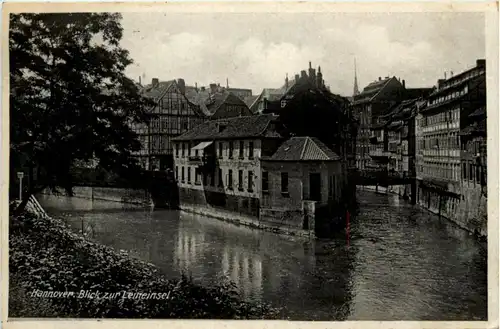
x=401, y=264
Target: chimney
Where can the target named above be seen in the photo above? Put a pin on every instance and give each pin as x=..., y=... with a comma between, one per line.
x=196, y=86
x=155, y=82
x=286, y=82
x=481, y=63
x=213, y=88
x=440, y=83
x=319, y=78
x=379, y=78
x=404, y=83
x=312, y=74
x=297, y=77
x=202, y=88
x=182, y=86
x=303, y=74
x=140, y=80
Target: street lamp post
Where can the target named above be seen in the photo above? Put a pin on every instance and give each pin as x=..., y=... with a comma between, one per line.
x=20, y=175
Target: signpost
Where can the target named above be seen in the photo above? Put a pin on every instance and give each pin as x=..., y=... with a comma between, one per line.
x=20, y=175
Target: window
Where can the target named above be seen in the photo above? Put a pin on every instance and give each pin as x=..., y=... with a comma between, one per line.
x=230, y=179
x=205, y=178
x=284, y=182
x=242, y=149
x=265, y=181
x=230, y=155
x=250, y=181
x=221, y=147
x=471, y=171
x=250, y=150
x=176, y=150
x=176, y=172
x=331, y=187
x=478, y=174
x=220, y=178
x=240, y=180
x=196, y=152
x=182, y=174
x=197, y=175
x=183, y=149
x=189, y=175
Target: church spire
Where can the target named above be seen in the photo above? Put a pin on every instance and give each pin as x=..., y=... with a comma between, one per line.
x=356, y=89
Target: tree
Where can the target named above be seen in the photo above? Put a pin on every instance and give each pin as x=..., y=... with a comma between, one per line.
x=70, y=100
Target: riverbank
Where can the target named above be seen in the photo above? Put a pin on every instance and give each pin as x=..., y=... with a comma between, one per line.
x=47, y=258
x=244, y=220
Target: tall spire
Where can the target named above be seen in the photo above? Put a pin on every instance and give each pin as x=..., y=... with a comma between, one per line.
x=356, y=89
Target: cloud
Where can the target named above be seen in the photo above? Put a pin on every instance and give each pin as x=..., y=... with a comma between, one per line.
x=271, y=62
x=257, y=51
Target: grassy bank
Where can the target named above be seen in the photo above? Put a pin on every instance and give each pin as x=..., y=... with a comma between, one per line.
x=46, y=256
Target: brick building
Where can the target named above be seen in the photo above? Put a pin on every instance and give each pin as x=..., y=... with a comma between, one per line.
x=217, y=164
x=306, y=107
x=371, y=108
x=447, y=172
x=229, y=168
x=302, y=176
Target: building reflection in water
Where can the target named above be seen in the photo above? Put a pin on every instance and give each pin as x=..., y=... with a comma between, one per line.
x=281, y=270
x=237, y=262
x=401, y=259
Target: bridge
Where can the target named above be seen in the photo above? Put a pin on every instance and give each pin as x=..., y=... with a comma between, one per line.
x=379, y=177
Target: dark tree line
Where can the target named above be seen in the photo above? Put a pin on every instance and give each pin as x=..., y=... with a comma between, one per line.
x=70, y=101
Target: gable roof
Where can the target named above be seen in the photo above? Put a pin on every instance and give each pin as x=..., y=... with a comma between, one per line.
x=218, y=111
x=371, y=91
x=303, y=149
x=159, y=90
x=238, y=127
x=249, y=100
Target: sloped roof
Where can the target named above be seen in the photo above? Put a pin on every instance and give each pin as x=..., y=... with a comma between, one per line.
x=219, y=111
x=238, y=127
x=157, y=91
x=303, y=149
x=249, y=100
x=372, y=90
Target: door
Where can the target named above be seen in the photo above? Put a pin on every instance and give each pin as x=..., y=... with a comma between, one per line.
x=315, y=186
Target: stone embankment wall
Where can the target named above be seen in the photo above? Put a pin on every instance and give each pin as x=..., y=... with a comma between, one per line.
x=471, y=212
x=113, y=194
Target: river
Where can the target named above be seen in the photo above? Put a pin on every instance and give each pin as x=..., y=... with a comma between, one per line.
x=400, y=263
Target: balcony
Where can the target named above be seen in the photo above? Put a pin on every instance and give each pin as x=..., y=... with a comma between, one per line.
x=203, y=162
x=195, y=160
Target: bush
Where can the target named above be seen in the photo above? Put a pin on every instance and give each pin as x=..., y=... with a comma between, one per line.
x=46, y=256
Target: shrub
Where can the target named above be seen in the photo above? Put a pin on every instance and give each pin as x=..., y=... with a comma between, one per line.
x=46, y=255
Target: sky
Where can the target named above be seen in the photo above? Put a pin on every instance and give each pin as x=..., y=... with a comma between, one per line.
x=256, y=51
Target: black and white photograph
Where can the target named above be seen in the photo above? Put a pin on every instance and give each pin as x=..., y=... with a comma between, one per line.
x=300, y=165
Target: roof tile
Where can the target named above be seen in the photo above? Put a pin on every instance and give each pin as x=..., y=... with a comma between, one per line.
x=303, y=149
x=238, y=127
